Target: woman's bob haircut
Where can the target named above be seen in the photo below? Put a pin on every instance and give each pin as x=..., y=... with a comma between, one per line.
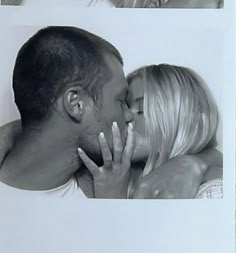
x=180, y=113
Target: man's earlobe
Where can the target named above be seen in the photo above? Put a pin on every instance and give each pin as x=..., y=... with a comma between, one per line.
x=73, y=103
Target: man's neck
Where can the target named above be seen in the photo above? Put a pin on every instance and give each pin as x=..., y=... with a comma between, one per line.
x=41, y=160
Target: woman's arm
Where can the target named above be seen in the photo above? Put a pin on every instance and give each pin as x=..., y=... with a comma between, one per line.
x=181, y=176
x=214, y=160
x=8, y=134
x=178, y=178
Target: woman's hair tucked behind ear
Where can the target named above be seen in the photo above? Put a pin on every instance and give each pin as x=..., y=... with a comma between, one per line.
x=180, y=113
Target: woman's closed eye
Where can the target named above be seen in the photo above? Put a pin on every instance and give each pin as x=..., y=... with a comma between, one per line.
x=140, y=106
x=140, y=112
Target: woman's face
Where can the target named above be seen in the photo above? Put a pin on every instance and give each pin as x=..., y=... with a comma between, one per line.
x=135, y=102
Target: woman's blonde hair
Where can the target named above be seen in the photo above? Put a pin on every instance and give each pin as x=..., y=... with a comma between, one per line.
x=181, y=116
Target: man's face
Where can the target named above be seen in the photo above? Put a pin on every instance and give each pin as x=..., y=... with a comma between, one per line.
x=113, y=108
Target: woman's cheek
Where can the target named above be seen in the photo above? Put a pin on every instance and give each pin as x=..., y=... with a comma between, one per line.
x=140, y=125
x=142, y=149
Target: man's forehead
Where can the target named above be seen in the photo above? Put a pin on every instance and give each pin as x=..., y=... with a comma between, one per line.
x=113, y=62
x=117, y=76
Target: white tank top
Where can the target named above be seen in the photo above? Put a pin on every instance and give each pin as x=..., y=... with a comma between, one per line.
x=68, y=190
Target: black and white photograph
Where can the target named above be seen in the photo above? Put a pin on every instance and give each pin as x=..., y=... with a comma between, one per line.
x=82, y=125
x=117, y=130
x=199, y=4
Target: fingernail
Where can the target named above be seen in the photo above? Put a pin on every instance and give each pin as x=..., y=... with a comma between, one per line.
x=114, y=124
x=130, y=126
x=102, y=135
x=80, y=150
x=157, y=192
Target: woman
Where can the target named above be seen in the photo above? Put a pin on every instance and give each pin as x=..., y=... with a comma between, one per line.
x=175, y=114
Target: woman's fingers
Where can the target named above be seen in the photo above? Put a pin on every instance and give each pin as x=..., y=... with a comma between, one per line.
x=129, y=147
x=106, y=153
x=117, y=143
x=156, y=193
x=120, y=157
x=92, y=167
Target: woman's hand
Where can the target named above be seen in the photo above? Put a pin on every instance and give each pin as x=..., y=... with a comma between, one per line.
x=111, y=180
x=179, y=178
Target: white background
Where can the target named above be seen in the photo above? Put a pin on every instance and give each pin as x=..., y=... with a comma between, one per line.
x=190, y=38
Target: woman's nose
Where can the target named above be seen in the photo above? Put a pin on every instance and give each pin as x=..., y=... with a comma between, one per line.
x=128, y=115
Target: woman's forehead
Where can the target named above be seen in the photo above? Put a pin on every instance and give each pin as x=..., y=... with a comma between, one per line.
x=136, y=90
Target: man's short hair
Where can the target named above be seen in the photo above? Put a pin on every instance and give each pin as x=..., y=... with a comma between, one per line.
x=53, y=59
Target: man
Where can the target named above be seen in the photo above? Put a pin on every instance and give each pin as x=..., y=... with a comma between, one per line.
x=69, y=88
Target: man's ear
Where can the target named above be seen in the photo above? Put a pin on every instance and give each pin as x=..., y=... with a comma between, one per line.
x=74, y=103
